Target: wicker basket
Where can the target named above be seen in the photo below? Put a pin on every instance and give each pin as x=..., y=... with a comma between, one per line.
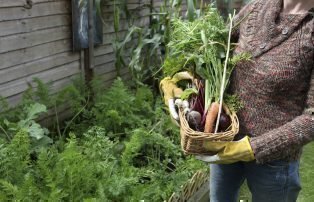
x=190, y=187
x=192, y=141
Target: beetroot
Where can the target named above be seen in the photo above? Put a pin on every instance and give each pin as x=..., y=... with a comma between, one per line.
x=224, y=122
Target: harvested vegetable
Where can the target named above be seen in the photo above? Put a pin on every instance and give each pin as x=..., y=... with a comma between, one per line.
x=224, y=122
x=203, y=46
x=211, y=116
x=194, y=119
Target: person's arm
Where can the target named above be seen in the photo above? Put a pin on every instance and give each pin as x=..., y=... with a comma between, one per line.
x=277, y=143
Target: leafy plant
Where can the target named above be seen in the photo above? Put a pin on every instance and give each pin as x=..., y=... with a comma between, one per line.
x=148, y=53
x=28, y=123
x=116, y=106
x=100, y=163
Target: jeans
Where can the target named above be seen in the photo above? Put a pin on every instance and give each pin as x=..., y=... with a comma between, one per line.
x=276, y=181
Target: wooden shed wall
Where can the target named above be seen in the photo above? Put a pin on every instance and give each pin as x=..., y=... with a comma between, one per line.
x=36, y=41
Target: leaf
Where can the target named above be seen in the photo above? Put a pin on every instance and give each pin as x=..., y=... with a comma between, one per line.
x=204, y=37
x=36, y=131
x=191, y=10
x=116, y=21
x=6, y=122
x=34, y=110
x=98, y=6
x=42, y=142
x=9, y=189
x=188, y=92
x=176, y=3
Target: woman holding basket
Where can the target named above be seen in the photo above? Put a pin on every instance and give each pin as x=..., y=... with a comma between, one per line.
x=277, y=91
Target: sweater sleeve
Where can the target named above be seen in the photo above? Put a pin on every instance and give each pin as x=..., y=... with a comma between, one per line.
x=277, y=143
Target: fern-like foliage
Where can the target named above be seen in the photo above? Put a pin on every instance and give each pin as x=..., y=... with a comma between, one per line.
x=117, y=110
x=124, y=148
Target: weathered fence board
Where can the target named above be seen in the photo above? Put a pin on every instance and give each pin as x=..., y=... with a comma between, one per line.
x=33, y=24
x=44, y=9
x=10, y=74
x=18, y=86
x=21, y=3
x=33, y=53
x=20, y=41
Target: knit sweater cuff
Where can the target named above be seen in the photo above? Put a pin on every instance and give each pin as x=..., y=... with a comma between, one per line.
x=280, y=142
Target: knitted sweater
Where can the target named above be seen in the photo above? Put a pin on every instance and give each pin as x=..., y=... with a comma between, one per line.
x=277, y=86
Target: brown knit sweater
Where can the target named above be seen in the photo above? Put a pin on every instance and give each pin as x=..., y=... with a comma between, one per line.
x=277, y=86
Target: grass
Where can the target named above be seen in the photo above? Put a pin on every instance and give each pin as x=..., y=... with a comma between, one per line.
x=306, y=174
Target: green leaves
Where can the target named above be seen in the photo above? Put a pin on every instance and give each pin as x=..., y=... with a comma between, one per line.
x=124, y=149
x=191, y=10
x=28, y=124
x=35, y=130
x=33, y=112
x=188, y=92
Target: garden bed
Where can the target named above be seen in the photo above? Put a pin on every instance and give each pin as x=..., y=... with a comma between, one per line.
x=120, y=147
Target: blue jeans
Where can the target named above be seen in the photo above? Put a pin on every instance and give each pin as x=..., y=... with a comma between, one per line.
x=276, y=181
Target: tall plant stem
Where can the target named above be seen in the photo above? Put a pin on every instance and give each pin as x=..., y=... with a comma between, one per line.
x=74, y=117
x=57, y=120
x=5, y=132
x=222, y=87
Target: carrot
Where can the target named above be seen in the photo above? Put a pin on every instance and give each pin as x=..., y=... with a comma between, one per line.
x=211, y=116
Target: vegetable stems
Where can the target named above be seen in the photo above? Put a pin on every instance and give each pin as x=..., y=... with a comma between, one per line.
x=222, y=87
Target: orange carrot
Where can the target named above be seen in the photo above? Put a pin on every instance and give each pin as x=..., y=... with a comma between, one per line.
x=211, y=116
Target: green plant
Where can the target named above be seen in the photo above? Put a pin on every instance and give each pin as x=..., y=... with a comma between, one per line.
x=101, y=162
x=148, y=53
x=37, y=133
x=117, y=109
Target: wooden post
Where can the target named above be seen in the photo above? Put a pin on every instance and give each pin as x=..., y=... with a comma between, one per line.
x=91, y=33
x=89, y=53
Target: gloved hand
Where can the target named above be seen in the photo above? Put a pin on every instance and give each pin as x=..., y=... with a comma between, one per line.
x=228, y=152
x=171, y=91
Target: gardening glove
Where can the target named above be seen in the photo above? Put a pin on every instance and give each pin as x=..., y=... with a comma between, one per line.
x=171, y=91
x=228, y=152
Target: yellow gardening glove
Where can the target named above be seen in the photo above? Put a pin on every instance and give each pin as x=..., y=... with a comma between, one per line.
x=171, y=91
x=228, y=152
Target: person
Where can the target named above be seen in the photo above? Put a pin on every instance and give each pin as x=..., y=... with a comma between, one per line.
x=277, y=91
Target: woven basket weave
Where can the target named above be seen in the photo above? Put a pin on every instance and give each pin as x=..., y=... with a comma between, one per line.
x=190, y=187
x=192, y=141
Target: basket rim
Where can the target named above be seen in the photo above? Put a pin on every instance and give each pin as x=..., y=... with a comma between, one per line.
x=199, y=134
x=192, y=141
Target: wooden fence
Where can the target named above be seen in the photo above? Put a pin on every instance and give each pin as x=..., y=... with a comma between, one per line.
x=36, y=41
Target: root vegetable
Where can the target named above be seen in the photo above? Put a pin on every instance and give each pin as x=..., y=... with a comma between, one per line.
x=194, y=119
x=178, y=102
x=224, y=122
x=185, y=104
x=211, y=116
x=172, y=109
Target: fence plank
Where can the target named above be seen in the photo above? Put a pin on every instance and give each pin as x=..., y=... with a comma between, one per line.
x=44, y=9
x=17, y=57
x=19, y=71
x=20, y=41
x=18, y=86
x=21, y=3
x=33, y=24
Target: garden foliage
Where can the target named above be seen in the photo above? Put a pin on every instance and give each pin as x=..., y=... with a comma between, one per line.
x=121, y=147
